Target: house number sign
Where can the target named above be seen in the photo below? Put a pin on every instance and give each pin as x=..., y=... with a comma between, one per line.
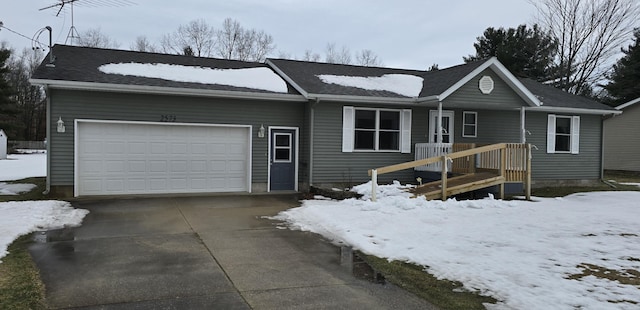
x=167, y=118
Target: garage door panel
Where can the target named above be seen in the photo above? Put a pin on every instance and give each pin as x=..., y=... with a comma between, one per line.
x=129, y=158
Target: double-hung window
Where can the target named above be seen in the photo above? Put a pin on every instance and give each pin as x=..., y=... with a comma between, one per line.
x=384, y=130
x=469, y=124
x=563, y=134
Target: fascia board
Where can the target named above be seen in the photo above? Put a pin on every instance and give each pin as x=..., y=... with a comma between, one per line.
x=630, y=103
x=158, y=90
x=287, y=78
x=363, y=99
x=503, y=73
x=572, y=110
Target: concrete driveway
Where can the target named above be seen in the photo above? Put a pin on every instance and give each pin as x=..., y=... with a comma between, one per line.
x=200, y=253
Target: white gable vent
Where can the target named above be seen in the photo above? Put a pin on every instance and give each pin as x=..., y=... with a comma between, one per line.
x=486, y=84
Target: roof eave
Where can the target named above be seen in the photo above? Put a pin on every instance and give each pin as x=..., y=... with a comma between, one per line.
x=160, y=90
x=501, y=71
x=573, y=110
x=363, y=99
x=625, y=105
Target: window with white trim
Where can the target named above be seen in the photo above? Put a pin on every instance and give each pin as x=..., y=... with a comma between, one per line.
x=563, y=134
x=469, y=124
x=366, y=129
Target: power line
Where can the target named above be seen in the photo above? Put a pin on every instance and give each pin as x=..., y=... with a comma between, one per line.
x=2, y=26
x=34, y=40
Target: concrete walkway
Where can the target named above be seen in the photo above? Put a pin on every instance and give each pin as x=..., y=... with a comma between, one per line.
x=200, y=253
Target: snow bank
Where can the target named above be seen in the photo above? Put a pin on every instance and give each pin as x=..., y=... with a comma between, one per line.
x=403, y=84
x=519, y=252
x=17, y=167
x=256, y=78
x=23, y=217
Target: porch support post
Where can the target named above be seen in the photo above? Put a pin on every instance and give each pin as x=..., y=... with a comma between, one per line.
x=439, y=123
x=523, y=129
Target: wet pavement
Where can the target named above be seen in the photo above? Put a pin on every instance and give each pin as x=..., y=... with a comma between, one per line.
x=200, y=253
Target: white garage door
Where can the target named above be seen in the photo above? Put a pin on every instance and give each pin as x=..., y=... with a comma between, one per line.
x=117, y=158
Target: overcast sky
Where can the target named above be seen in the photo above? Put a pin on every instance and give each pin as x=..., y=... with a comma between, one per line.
x=410, y=34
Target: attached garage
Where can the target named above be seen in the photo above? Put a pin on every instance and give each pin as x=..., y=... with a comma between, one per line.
x=123, y=158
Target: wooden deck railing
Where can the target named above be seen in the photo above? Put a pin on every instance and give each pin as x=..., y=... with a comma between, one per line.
x=512, y=161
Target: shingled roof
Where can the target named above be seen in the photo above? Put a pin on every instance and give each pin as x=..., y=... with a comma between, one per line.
x=301, y=80
x=554, y=97
x=81, y=65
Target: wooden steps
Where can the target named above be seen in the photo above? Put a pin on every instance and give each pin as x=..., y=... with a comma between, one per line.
x=460, y=184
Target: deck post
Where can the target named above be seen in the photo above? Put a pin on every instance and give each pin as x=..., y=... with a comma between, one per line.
x=528, y=173
x=443, y=177
x=374, y=184
x=503, y=169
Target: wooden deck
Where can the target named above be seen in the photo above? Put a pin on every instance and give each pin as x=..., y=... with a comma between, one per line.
x=460, y=184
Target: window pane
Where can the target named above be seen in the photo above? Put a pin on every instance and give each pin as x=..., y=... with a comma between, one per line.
x=389, y=140
x=365, y=119
x=364, y=140
x=469, y=130
x=469, y=118
x=282, y=140
x=283, y=155
x=562, y=143
x=390, y=120
x=563, y=125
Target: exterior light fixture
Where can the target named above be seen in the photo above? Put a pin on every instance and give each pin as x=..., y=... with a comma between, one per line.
x=60, y=125
x=261, y=131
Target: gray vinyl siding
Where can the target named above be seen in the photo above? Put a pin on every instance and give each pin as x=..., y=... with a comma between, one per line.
x=583, y=166
x=469, y=95
x=332, y=166
x=622, y=140
x=493, y=127
x=71, y=105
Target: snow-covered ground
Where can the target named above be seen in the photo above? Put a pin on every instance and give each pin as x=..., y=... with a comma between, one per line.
x=520, y=252
x=19, y=218
x=21, y=166
x=15, y=189
x=23, y=217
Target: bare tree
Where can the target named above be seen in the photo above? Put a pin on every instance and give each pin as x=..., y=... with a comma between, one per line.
x=368, y=58
x=236, y=42
x=94, y=37
x=197, y=36
x=309, y=55
x=589, y=34
x=334, y=55
x=142, y=44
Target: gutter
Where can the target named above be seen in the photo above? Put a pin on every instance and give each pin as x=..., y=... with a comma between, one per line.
x=159, y=90
x=572, y=110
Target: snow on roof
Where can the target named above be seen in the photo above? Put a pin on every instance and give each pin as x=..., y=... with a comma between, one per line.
x=256, y=78
x=403, y=84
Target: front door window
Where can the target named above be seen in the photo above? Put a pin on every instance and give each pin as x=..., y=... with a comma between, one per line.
x=447, y=126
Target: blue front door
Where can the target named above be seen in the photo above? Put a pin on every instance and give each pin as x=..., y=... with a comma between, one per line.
x=282, y=158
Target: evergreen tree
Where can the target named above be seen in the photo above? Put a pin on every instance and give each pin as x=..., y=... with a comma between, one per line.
x=624, y=84
x=8, y=109
x=526, y=52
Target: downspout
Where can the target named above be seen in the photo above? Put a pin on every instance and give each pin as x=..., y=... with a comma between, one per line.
x=48, y=137
x=311, y=138
x=439, y=123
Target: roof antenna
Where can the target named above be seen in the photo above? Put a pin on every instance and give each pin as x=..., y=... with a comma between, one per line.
x=73, y=33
